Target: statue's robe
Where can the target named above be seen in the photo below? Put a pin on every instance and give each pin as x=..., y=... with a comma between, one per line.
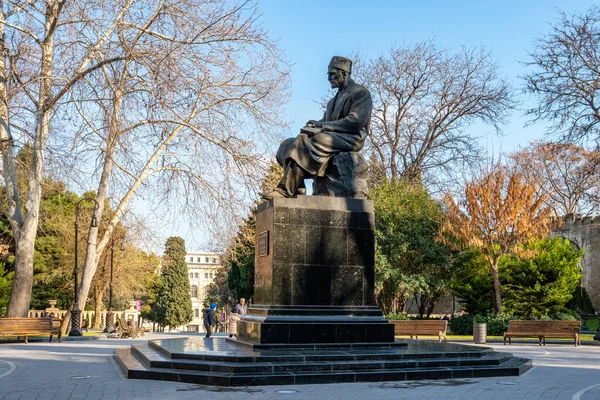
x=345, y=123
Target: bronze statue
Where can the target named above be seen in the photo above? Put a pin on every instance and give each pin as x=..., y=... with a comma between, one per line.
x=327, y=150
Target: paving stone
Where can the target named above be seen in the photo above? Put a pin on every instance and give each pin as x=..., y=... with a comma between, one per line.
x=560, y=371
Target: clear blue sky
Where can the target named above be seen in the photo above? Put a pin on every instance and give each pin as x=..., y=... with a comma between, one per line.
x=311, y=31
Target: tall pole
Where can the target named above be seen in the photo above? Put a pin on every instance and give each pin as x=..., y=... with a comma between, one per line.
x=110, y=317
x=76, y=312
x=112, y=262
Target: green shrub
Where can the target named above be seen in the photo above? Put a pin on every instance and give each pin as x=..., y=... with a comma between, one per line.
x=497, y=324
x=462, y=325
x=397, y=316
x=566, y=315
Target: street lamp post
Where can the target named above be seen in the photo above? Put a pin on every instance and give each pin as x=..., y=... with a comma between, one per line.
x=76, y=312
x=110, y=316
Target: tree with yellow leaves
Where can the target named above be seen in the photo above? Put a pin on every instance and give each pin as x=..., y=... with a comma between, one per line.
x=500, y=210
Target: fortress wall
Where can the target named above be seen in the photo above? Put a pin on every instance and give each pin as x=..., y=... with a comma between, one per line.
x=584, y=232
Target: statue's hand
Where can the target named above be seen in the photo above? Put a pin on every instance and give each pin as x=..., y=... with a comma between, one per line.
x=315, y=131
x=316, y=124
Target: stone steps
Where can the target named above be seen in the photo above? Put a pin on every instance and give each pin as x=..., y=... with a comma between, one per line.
x=153, y=359
x=238, y=368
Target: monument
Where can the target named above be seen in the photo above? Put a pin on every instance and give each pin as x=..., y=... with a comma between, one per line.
x=328, y=150
x=314, y=318
x=315, y=255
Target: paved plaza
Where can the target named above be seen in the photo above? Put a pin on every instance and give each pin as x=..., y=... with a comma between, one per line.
x=85, y=370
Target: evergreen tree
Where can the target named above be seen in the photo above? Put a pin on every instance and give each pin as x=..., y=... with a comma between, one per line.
x=472, y=283
x=174, y=301
x=540, y=277
x=239, y=258
x=219, y=291
x=410, y=258
x=5, y=287
x=150, y=309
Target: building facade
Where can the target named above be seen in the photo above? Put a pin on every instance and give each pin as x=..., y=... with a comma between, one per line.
x=202, y=268
x=584, y=233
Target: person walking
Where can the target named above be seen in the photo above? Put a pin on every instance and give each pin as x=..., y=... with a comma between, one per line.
x=209, y=319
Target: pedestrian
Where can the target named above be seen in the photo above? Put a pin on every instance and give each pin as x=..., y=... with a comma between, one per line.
x=234, y=317
x=446, y=318
x=209, y=319
x=241, y=307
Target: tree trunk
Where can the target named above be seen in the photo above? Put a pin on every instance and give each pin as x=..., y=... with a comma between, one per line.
x=98, y=295
x=20, y=297
x=497, y=289
x=422, y=305
x=93, y=252
x=23, y=279
x=18, y=305
x=64, y=326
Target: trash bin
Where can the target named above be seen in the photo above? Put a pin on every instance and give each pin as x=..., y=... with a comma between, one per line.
x=479, y=332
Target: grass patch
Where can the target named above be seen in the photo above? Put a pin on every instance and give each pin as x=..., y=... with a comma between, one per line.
x=586, y=337
x=592, y=324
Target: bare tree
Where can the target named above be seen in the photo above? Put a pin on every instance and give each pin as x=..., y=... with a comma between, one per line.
x=183, y=119
x=500, y=210
x=424, y=99
x=48, y=47
x=567, y=174
x=566, y=76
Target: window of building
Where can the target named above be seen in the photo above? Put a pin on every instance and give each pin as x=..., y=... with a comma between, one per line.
x=198, y=259
x=210, y=276
x=196, y=275
x=196, y=313
x=206, y=275
x=191, y=259
x=194, y=291
x=206, y=259
x=214, y=260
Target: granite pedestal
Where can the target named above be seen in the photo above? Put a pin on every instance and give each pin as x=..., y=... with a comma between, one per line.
x=314, y=275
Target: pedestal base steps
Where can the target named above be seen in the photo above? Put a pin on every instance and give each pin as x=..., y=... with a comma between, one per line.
x=221, y=362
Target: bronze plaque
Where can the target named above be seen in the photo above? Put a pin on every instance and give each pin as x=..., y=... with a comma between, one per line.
x=262, y=244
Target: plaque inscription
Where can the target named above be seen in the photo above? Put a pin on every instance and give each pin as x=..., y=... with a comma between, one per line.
x=262, y=244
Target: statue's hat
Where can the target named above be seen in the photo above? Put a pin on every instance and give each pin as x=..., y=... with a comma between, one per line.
x=341, y=63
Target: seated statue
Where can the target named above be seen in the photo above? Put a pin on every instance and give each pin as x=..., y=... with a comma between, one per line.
x=327, y=150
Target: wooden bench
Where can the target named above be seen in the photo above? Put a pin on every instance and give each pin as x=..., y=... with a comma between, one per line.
x=126, y=330
x=25, y=327
x=542, y=330
x=418, y=328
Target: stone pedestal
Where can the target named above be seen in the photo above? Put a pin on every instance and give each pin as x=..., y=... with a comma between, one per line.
x=314, y=275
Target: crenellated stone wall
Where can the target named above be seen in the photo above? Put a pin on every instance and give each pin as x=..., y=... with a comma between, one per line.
x=584, y=233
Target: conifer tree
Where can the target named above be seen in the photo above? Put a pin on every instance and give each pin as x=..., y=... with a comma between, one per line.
x=174, y=301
